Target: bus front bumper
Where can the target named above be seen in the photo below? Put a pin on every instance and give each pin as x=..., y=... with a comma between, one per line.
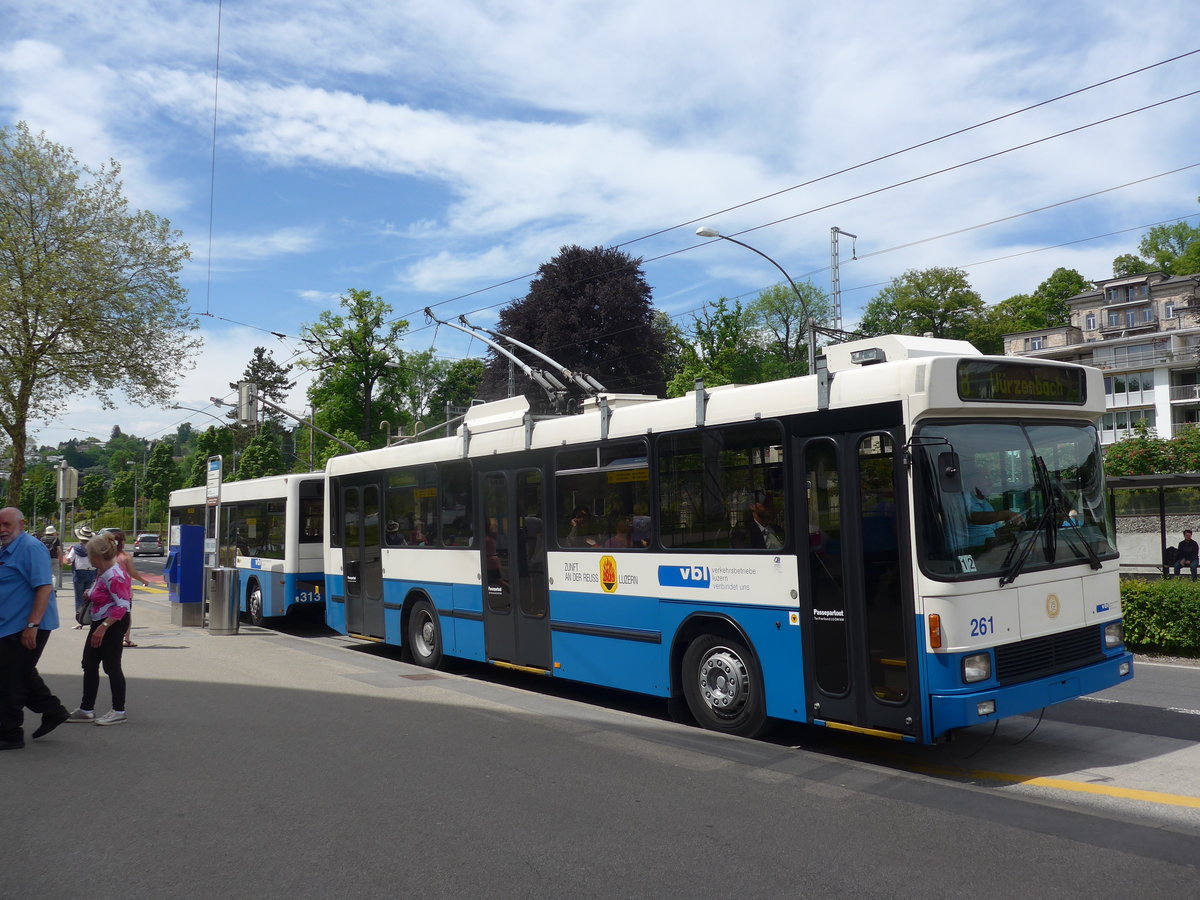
x=951, y=711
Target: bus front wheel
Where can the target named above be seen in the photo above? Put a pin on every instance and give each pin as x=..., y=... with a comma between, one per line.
x=425, y=635
x=723, y=686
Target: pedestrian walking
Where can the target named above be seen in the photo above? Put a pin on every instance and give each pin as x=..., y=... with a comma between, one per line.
x=109, y=598
x=83, y=573
x=27, y=616
x=126, y=563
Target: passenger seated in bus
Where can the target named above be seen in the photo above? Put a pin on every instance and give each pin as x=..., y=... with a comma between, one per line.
x=416, y=536
x=622, y=533
x=582, y=530
x=393, y=536
x=762, y=533
x=641, y=531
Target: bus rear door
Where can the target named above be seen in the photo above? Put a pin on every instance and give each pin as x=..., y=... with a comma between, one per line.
x=362, y=560
x=516, y=614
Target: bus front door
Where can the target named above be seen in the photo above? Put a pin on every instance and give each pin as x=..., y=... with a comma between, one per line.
x=858, y=610
x=362, y=561
x=516, y=609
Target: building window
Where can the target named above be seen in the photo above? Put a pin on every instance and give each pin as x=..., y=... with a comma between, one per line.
x=1169, y=309
x=1114, y=318
x=1090, y=322
x=1036, y=343
x=1148, y=314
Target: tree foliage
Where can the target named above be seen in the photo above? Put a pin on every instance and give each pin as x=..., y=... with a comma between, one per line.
x=1173, y=249
x=720, y=347
x=162, y=474
x=260, y=458
x=781, y=316
x=589, y=309
x=936, y=301
x=353, y=354
x=89, y=294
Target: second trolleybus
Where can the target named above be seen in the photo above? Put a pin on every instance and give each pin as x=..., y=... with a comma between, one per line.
x=911, y=542
x=271, y=530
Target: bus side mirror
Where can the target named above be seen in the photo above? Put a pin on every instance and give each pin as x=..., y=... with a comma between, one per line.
x=949, y=473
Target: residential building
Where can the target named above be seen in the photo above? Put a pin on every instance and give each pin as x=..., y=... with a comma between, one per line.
x=1143, y=331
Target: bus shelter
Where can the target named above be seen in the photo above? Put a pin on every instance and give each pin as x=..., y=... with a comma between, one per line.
x=1150, y=513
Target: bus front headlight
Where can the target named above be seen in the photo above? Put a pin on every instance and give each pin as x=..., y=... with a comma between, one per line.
x=977, y=667
x=1114, y=635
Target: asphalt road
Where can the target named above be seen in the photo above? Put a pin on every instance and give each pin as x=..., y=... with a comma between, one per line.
x=296, y=762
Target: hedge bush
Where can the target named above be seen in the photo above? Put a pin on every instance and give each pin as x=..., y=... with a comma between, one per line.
x=1162, y=616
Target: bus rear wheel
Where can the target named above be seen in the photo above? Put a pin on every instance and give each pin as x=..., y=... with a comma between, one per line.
x=254, y=604
x=425, y=635
x=723, y=686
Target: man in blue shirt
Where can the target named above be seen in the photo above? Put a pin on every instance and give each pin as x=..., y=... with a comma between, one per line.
x=27, y=616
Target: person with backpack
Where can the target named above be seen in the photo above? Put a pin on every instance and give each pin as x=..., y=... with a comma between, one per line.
x=83, y=573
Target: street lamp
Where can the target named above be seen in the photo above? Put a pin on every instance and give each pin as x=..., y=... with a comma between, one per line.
x=709, y=232
x=220, y=422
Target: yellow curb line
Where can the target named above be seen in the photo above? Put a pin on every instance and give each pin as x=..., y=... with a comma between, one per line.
x=1064, y=784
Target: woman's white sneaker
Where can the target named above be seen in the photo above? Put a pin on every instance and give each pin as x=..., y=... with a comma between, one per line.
x=112, y=717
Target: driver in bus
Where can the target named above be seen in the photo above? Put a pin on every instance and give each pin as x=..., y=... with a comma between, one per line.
x=983, y=519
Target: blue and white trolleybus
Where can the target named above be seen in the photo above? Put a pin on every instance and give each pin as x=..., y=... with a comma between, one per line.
x=911, y=542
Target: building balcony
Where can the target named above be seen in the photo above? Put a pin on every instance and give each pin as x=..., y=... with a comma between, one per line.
x=1185, y=393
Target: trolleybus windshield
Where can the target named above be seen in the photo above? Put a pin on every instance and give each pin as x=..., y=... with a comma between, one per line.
x=980, y=497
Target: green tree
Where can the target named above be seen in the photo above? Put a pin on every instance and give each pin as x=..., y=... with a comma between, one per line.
x=782, y=316
x=1049, y=301
x=589, y=309
x=162, y=473
x=212, y=442
x=720, y=347
x=38, y=497
x=120, y=492
x=89, y=294
x=458, y=387
x=1173, y=249
x=260, y=458
x=352, y=355
x=93, y=490
x=1130, y=264
x=936, y=301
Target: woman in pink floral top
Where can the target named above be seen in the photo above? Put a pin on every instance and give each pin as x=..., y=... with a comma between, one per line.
x=109, y=597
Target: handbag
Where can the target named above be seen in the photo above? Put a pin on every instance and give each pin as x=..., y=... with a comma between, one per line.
x=83, y=615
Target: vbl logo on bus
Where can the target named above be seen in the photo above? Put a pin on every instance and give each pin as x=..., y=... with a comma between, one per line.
x=685, y=576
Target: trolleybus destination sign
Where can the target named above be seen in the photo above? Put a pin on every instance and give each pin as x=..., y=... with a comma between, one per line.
x=1020, y=382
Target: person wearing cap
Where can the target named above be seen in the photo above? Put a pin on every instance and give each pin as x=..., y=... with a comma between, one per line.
x=83, y=573
x=28, y=614
x=54, y=547
x=1189, y=553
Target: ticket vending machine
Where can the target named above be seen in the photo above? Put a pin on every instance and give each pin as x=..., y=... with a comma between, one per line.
x=185, y=575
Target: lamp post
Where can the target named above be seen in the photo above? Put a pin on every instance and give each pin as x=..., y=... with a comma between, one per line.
x=220, y=422
x=709, y=232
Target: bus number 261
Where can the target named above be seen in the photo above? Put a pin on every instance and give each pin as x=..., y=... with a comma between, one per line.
x=982, y=626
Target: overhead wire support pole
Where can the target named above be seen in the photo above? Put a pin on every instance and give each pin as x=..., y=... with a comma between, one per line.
x=581, y=379
x=279, y=409
x=835, y=277
x=555, y=390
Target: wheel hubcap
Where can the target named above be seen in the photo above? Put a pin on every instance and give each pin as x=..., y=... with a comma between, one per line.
x=724, y=681
x=426, y=636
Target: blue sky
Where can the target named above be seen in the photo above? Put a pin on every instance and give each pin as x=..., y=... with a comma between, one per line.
x=426, y=151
